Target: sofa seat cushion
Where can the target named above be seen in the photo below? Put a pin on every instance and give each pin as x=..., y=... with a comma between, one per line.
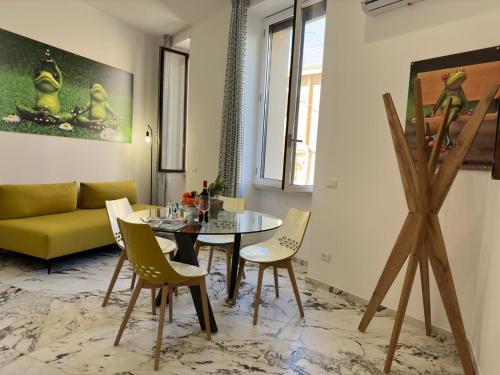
x=51, y=236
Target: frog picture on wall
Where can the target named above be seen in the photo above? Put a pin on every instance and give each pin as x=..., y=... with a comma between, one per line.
x=48, y=91
x=461, y=78
x=97, y=113
x=47, y=79
x=452, y=90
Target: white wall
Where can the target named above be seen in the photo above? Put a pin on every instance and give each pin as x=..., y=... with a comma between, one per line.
x=358, y=222
x=206, y=91
x=81, y=29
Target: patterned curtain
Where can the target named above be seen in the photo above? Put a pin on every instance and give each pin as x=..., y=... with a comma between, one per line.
x=231, y=138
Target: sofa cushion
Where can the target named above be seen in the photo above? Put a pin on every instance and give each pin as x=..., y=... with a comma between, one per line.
x=95, y=195
x=51, y=236
x=18, y=201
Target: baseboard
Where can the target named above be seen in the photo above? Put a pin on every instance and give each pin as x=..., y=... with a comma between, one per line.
x=389, y=312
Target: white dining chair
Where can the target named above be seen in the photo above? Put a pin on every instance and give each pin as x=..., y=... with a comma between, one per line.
x=119, y=209
x=225, y=241
x=277, y=252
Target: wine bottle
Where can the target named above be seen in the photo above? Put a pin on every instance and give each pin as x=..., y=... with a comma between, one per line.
x=204, y=198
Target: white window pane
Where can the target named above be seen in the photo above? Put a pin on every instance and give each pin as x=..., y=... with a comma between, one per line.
x=172, y=126
x=307, y=119
x=277, y=101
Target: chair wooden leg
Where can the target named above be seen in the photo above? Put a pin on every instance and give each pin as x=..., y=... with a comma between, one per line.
x=164, y=292
x=172, y=257
x=118, y=267
x=238, y=280
x=289, y=267
x=229, y=255
x=170, y=303
x=153, y=301
x=276, y=285
x=210, y=255
x=197, y=246
x=262, y=267
x=130, y=307
x=204, y=302
x=132, y=283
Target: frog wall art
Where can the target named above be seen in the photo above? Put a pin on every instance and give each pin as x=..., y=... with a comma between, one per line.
x=48, y=91
x=461, y=78
x=452, y=90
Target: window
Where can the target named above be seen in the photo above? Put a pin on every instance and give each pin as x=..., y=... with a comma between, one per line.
x=290, y=96
x=172, y=109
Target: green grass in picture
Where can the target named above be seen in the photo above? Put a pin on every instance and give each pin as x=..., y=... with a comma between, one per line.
x=45, y=90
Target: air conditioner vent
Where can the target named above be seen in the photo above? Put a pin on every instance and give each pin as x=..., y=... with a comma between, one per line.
x=374, y=7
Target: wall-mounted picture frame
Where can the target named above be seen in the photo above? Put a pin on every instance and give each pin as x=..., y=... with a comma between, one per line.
x=45, y=90
x=172, y=110
x=463, y=77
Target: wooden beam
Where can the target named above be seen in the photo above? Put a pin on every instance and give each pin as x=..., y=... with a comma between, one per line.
x=438, y=142
x=419, y=239
x=400, y=315
x=423, y=174
x=446, y=286
x=400, y=252
x=423, y=263
x=406, y=164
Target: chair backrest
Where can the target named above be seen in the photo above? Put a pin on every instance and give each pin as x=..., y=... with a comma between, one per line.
x=290, y=235
x=145, y=255
x=118, y=209
x=233, y=204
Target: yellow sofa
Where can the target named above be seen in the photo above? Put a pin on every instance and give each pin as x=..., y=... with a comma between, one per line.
x=50, y=220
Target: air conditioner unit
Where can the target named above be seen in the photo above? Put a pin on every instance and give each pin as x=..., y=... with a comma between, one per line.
x=374, y=7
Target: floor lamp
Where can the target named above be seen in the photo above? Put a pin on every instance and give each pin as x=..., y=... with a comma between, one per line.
x=149, y=139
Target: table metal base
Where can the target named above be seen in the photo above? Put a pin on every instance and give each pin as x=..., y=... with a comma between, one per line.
x=234, y=265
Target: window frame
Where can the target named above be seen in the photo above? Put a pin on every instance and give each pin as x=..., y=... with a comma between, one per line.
x=260, y=181
x=160, y=109
x=286, y=183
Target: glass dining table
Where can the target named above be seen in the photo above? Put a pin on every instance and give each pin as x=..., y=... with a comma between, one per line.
x=187, y=230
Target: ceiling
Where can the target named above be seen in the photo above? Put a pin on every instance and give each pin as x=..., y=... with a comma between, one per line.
x=265, y=8
x=159, y=17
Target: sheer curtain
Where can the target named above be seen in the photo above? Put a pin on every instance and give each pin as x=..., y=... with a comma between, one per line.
x=160, y=179
x=231, y=138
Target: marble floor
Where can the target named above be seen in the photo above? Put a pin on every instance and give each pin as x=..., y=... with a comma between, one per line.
x=54, y=324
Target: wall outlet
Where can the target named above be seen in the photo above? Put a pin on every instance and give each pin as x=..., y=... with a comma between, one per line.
x=326, y=257
x=331, y=183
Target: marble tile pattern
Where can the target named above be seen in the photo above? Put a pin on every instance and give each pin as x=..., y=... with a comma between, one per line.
x=54, y=324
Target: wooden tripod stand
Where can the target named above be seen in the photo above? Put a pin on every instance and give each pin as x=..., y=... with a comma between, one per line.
x=420, y=238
